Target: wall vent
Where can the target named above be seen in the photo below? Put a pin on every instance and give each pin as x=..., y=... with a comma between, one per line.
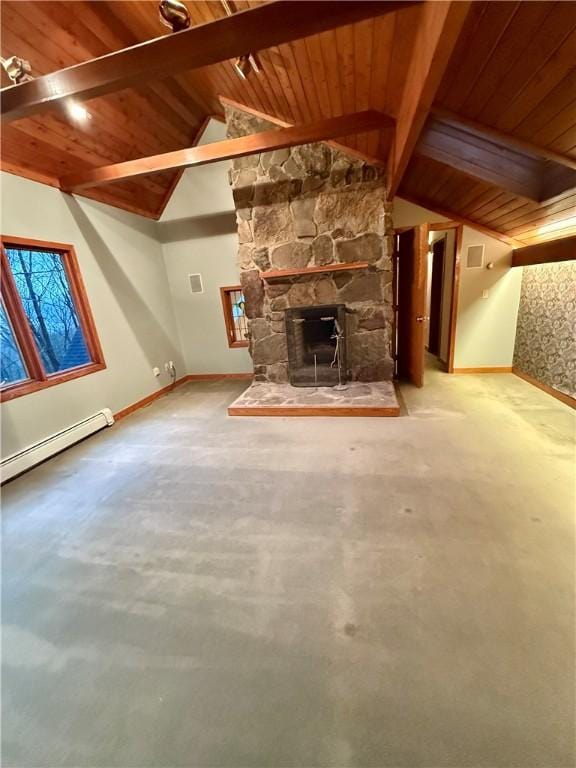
x=196, y=283
x=475, y=256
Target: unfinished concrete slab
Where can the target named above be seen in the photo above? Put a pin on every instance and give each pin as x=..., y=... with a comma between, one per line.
x=189, y=589
x=355, y=398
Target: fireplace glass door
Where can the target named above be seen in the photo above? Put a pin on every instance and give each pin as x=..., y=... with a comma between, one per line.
x=316, y=345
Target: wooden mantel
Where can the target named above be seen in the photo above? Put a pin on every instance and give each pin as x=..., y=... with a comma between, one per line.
x=280, y=274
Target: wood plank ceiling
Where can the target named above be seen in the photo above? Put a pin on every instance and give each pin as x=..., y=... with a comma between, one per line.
x=351, y=69
x=512, y=70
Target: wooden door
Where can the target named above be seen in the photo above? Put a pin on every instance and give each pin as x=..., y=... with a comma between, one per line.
x=436, y=284
x=411, y=250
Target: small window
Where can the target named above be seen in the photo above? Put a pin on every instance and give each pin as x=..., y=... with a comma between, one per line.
x=234, y=316
x=48, y=334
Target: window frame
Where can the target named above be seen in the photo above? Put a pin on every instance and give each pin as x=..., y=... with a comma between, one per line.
x=38, y=378
x=229, y=317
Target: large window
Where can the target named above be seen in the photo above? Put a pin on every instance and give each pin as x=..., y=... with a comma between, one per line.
x=47, y=333
x=234, y=316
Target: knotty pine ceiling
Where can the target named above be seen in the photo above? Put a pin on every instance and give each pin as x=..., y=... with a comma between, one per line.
x=512, y=69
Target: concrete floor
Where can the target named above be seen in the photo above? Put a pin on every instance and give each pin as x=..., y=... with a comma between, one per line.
x=190, y=589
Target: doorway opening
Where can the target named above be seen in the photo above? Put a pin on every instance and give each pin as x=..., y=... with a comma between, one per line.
x=426, y=279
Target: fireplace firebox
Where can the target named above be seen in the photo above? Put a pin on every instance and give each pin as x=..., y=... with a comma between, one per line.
x=316, y=345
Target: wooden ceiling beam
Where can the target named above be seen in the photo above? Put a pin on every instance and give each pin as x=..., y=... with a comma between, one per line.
x=387, y=132
x=266, y=141
x=255, y=29
x=436, y=38
x=493, y=160
x=563, y=249
x=447, y=116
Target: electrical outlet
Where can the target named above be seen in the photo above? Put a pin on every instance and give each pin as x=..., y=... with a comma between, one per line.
x=156, y=371
x=485, y=293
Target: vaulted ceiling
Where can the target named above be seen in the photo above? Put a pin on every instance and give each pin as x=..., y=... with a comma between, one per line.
x=512, y=71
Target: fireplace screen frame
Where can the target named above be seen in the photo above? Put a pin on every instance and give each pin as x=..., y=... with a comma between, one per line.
x=329, y=368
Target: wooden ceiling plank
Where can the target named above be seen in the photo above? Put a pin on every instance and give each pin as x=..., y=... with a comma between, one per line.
x=563, y=249
x=328, y=46
x=461, y=52
x=312, y=45
x=309, y=76
x=262, y=27
x=363, y=65
x=515, y=38
x=453, y=216
x=562, y=209
x=225, y=150
x=91, y=152
x=51, y=44
x=556, y=69
x=465, y=70
x=500, y=136
x=382, y=46
x=406, y=25
x=554, y=117
x=510, y=83
x=435, y=40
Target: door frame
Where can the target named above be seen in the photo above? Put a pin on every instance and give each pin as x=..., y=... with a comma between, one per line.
x=433, y=227
x=455, y=285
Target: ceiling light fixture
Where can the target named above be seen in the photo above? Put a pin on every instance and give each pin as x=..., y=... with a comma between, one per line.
x=17, y=69
x=247, y=62
x=174, y=14
x=77, y=112
x=242, y=66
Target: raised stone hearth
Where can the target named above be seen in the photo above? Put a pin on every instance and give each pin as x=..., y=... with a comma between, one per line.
x=376, y=398
x=313, y=206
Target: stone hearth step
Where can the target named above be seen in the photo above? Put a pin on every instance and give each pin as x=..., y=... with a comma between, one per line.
x=376, y=398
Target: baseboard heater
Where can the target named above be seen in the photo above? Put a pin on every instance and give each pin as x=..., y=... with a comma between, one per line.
x=43, y=449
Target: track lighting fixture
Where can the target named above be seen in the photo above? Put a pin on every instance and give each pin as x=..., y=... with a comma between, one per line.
x=246, y=64
x=174, y=14
x=17, y=69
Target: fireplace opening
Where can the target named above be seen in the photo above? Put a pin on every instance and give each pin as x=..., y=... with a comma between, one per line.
x=317, y=345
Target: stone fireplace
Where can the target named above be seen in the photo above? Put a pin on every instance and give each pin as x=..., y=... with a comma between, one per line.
x=315, y=241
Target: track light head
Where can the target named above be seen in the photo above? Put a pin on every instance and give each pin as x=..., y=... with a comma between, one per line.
x=242, y=66
x=174, y=14
x=246, y=64
x=17, y=69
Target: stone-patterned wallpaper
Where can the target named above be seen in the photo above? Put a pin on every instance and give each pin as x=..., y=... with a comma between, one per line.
x=546, y=332
x=312, y=206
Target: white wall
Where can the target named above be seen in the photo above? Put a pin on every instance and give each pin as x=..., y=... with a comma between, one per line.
x=198, y=233
x=122, y=266
x=485, y=328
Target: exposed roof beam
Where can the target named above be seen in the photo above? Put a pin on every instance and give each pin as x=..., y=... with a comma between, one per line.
x=453, y=216
x=551, y=251
x=266, y=141
x=255, y=29
x=481, y=156
x=372, y=159
x=436, y=37
x=505, y=138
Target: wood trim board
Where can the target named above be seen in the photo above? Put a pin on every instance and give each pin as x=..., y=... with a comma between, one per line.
x=485, y=369
x=304, y=410
x=562, y=396
x=278, y=274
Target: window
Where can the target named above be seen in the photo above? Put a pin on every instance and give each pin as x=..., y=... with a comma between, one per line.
x=47, y=331
x=234, y=317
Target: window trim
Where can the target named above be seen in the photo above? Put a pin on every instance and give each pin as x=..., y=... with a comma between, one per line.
x=229, y=318
x=37, y=377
